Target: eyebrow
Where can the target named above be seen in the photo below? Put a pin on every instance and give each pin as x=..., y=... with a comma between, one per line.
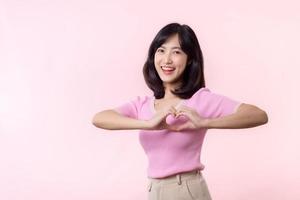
x=175, y=47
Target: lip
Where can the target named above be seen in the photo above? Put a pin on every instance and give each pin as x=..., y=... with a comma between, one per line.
x=167, y=72
x=167, y=66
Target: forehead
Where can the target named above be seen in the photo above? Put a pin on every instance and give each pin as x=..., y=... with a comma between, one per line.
x=172, y=42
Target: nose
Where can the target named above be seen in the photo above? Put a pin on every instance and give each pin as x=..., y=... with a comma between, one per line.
x=167, y=58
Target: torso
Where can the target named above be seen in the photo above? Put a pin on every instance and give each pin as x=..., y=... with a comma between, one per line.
x=160, y=104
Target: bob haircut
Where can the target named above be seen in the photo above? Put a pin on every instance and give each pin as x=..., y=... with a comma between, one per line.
x=193, y=75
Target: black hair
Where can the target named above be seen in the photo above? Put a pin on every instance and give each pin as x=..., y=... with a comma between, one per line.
x=193, y=75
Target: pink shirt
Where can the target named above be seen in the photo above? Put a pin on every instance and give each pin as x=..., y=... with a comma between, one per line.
x=174, y=152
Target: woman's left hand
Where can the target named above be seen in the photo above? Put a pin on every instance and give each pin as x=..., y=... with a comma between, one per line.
x=195, y=120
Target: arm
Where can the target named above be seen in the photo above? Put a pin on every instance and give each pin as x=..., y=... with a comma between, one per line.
x=246, y=116
x=112, y=120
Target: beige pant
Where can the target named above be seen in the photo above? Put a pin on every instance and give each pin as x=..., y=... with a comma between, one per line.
x=184, y=186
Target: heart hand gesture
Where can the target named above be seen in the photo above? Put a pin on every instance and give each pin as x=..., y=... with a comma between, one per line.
x=194, y=120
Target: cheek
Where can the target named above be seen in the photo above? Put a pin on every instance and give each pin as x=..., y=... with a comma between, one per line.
x=181, y=66
x=181, y=62
x=184, y=63
x=157, y=58
x=180, y=58
x=157, y=62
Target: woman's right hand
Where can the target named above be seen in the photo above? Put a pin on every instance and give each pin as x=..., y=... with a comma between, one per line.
x=158, y=121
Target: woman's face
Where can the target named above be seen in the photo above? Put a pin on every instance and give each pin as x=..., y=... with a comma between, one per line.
x=170, y=60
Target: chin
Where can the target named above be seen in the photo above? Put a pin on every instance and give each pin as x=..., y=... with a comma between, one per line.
x=171, y=80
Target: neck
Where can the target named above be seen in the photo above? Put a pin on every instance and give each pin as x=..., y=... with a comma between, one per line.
x=169, y=94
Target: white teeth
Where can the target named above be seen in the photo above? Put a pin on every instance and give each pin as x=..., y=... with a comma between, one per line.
x=168, y=68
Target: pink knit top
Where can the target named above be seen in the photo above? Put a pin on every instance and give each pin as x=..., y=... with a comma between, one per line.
x=174, y=152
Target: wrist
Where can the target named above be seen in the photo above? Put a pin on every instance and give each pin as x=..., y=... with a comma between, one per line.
x=145, y=124
x=207, y=123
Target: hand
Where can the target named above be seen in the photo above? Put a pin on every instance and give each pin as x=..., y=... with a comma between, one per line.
x=195, y=120
x=158, y=122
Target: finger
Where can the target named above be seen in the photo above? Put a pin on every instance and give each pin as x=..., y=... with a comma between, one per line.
x=186, y=108
x=183, y=110
x=185, y=126
x=173, y=111
x=185, y=113
x=169, y=111
x=172, y=128
x=180, y=114
x=182, y=107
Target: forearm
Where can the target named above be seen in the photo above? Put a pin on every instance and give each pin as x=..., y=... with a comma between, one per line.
x=246, y=117
x=111, y=120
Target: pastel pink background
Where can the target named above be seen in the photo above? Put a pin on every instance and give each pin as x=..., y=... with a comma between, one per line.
x=63, y=61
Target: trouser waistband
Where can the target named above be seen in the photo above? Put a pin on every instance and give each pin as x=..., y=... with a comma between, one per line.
x=174, y=178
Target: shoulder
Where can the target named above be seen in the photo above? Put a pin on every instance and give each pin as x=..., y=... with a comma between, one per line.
x=133, y=106
x=205, y=95
x=203, y=90
x=141, y=99
x=201, y=93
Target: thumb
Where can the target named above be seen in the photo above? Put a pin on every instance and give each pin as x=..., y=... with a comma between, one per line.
x=180, y=127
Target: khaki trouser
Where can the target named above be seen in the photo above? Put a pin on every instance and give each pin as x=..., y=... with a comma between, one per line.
x=183, y=186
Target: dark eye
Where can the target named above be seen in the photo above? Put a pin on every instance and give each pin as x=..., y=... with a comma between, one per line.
x=160, y=50
x=177, y=52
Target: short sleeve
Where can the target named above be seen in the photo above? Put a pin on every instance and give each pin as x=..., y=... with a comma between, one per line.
x=131, y=108
x=215, y=105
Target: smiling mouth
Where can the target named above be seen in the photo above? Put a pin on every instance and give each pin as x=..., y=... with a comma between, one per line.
x=167, y=69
